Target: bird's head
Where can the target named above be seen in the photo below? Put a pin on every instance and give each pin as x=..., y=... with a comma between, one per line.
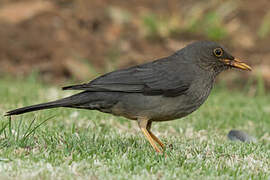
x=210, y=55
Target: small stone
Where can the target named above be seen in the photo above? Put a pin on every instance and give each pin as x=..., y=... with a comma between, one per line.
x=236, y=135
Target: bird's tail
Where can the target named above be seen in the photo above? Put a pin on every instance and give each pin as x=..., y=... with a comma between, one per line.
x=65, y=102
x=33, y=108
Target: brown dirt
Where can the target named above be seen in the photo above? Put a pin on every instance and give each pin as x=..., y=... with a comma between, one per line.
x=76, y=38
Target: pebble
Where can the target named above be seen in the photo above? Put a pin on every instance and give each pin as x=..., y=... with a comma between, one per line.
x=237, y=135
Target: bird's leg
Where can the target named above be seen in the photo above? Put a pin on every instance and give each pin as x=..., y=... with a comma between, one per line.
x=143, y=126
x=148, y=127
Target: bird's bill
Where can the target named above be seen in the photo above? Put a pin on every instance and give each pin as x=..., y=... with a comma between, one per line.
x=237, y=64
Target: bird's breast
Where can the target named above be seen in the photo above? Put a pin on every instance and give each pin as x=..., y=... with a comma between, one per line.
x=160, y=108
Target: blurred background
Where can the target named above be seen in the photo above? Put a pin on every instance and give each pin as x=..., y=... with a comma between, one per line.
x=60, y=40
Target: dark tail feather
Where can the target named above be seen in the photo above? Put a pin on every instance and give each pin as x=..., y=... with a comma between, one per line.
x=65, y=102
x=33, y=108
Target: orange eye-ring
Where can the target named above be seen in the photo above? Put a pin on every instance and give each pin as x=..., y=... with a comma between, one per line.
x=218, y=52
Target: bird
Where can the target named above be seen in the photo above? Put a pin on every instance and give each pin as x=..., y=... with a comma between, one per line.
x=165, y=89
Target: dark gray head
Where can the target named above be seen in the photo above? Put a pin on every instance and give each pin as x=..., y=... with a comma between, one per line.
x=211, y=56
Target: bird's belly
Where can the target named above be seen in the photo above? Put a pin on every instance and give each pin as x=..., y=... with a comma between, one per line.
x=155, y=108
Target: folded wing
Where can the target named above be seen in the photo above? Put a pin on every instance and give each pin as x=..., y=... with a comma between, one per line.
x=160, y=77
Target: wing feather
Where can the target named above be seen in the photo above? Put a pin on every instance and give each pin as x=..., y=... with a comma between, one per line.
x=161, y=77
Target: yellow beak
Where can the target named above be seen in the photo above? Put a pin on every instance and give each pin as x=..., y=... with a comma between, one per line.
x=237, y=64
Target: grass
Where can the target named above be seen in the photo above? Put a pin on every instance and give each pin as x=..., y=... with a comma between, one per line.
x=68, y=144
x=264, y=28
x=209, y=20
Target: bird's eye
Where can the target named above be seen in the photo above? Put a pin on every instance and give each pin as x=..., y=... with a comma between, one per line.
x=218, y=52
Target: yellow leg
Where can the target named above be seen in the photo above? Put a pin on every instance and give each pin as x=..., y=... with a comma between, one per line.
x=148, y=127
x=156, y=139
x=143, y=126
x=150, y=139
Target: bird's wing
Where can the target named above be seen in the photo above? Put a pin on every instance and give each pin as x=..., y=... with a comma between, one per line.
x=161, y=77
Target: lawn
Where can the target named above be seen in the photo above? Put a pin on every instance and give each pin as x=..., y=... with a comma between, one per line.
x=70, y=143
